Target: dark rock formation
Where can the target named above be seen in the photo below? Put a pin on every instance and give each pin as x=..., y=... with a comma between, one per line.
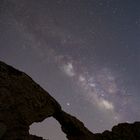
x=72, y=127
x=122, y=131
x=22, y=102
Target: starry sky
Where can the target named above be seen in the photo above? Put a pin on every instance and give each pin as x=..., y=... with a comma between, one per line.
x=85, y=53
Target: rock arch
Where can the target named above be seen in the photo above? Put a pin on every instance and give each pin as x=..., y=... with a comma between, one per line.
x=23, y=102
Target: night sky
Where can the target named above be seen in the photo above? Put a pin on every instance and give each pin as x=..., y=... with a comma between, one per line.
x=85, y=53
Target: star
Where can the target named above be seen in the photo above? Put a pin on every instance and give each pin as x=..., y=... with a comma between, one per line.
x=68, y=104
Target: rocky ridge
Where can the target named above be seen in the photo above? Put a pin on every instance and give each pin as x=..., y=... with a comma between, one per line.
x=22, y=102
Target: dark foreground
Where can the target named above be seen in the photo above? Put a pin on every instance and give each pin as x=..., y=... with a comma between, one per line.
x=22, y=102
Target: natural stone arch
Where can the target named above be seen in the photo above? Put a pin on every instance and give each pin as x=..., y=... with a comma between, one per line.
x=23, y=102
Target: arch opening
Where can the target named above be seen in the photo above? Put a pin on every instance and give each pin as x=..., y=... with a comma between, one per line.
x=49, y=129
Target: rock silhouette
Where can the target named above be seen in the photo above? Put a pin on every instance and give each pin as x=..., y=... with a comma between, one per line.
x=22, y=102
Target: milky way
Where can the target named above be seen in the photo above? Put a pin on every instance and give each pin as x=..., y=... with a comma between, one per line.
x=85, y=53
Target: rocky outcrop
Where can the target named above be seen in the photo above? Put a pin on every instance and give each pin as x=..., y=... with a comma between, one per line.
x=75, y=130
x=124, y=131
x=22, y=102
x=72, y=127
